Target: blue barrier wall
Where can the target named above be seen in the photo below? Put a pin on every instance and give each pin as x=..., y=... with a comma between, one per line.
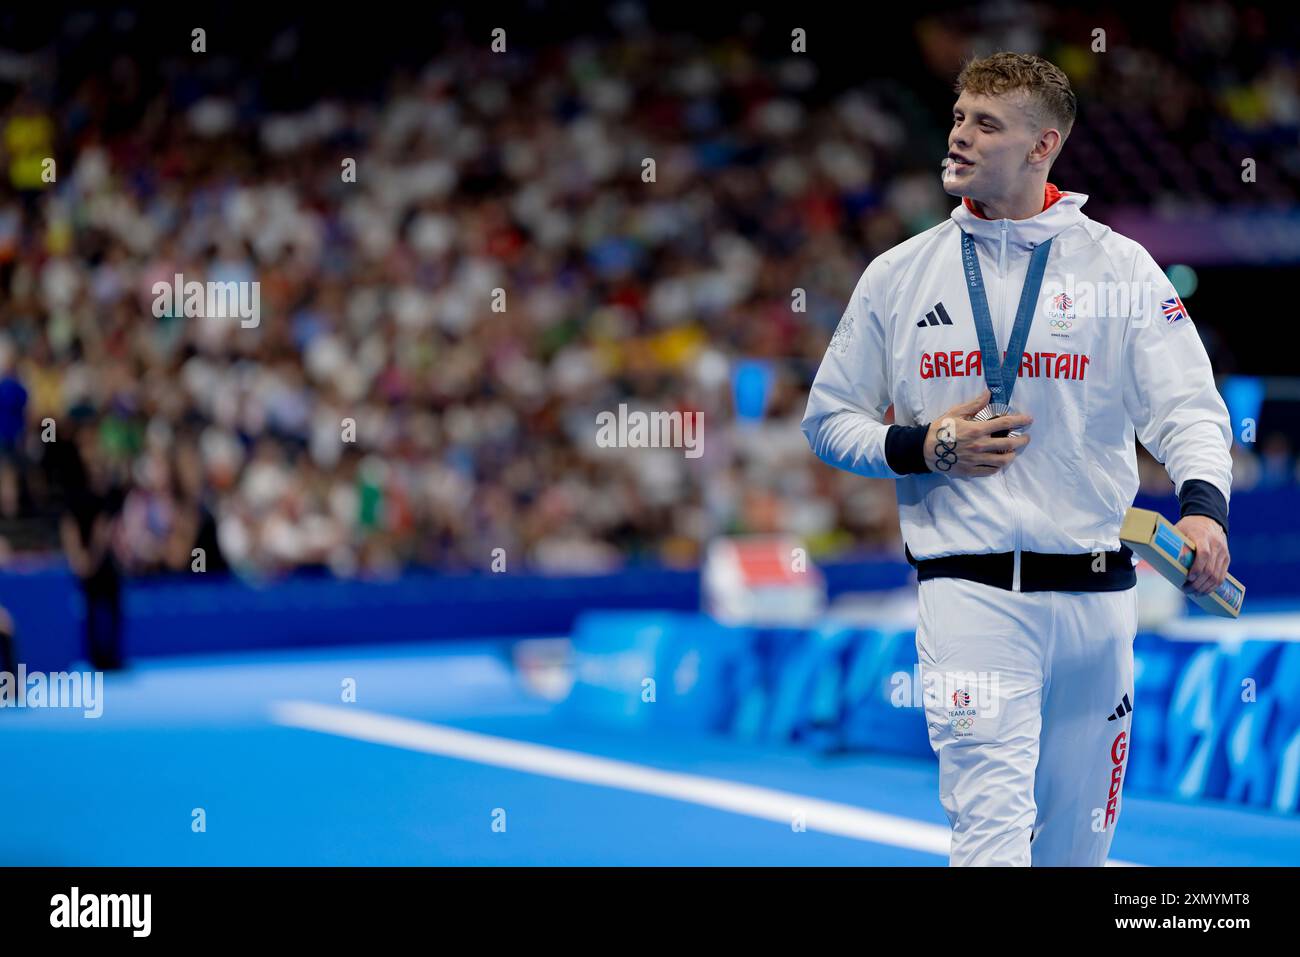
x=188, y=614
x=1209, y=721
x=219, y=613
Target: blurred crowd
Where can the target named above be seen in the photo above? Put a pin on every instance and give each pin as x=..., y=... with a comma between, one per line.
x=437, y=337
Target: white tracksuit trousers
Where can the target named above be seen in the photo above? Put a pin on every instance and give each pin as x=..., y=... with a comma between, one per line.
x=1028, y=699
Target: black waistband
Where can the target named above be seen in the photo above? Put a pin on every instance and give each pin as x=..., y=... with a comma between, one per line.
x=1038, y=571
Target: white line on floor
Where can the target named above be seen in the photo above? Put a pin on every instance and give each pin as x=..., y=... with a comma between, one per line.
x=828, y=817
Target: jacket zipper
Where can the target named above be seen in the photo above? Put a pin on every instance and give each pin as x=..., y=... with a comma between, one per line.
x=1002, y=259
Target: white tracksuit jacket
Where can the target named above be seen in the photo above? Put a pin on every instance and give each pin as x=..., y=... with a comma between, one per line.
x=1111, y=351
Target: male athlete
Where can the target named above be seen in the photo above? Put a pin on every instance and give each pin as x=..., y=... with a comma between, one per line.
x=1020, y=309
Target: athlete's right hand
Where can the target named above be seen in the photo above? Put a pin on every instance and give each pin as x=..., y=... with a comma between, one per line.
x=959, y=444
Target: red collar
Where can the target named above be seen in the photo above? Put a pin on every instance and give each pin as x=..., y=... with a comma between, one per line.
x=1050, y=195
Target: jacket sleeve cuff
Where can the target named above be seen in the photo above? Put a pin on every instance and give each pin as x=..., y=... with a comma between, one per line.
x=905, y=449
x=1198, y=497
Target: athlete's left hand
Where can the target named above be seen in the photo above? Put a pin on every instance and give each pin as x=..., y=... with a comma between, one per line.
x=1211, y=561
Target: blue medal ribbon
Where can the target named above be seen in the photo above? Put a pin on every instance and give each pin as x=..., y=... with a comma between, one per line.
x=1001, y=380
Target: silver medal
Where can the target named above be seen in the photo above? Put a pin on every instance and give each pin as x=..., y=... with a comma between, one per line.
x=995, y=410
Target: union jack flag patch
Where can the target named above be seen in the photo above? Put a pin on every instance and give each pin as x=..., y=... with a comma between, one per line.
x=1173, y=310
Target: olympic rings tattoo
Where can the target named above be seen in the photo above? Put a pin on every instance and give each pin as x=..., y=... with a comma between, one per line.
x=945, y=448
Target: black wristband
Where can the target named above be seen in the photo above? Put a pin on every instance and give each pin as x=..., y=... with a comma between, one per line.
x=905, y=449
x=1198, y=497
